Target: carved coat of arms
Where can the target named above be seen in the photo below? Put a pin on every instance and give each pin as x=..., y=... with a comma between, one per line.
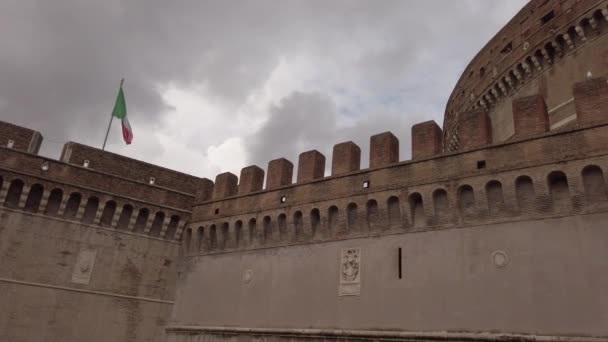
x=84, y=267
x=350, y=272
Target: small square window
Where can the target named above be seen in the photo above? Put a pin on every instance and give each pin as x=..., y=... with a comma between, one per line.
x=217, y=211
x=547, y=17
x=10, y=143
x=481, y=164
x=366, y=184
x=283, y=199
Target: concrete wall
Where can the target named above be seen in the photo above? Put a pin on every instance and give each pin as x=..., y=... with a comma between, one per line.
x=128, y=298
x=554, y=282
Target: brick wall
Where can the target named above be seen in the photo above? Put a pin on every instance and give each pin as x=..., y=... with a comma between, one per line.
x=121, y=166
x=24, y=139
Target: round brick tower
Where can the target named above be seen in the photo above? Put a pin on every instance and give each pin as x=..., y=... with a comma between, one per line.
x=548, y=46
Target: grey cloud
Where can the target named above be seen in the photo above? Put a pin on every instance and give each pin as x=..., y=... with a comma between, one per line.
x=61, y=62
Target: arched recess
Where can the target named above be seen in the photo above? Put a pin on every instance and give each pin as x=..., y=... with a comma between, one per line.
x=251, y=227
x=594, y=183
x=34, y=198
x=71, y=207
x=466, y=198
x=352, y=216
x=108, y=214
x=282, y=222
x=14, y=193
x=187, y=240
x=332, y=217
x=90, y=210
x=54, y=202
x=225, y=242
x=315, y=221
x=200, y=239
x=440, y=204
x=212, y=237
x=172, y=227
x=494, y=196
x=373, y=216
x=266, y=230
x=298, y=225
x=559, y=191
x=157, y=224
x=394, y=210
x=417, y=210
x=238, y=233
x=141, y=220
x=125, y=217
x=524, y=192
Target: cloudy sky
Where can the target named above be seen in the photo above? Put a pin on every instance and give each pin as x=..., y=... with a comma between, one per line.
x=213, y=86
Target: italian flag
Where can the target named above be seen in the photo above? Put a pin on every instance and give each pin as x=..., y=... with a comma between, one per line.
x=120, y=111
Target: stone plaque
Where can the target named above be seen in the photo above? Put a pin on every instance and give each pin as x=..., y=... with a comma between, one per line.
x=84, y=267
x=350, y=272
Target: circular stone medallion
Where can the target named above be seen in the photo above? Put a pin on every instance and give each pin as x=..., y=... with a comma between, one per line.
x=500, y=259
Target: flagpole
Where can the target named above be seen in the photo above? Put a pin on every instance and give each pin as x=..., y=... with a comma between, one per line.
x=110, y=124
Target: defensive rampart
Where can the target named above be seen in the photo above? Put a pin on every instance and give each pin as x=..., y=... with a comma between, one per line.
x=546, y=47
x=88, y=244
x=470, y=245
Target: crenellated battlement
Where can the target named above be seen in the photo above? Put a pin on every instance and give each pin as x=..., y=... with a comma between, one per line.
x=481, y=183
x=94, y=187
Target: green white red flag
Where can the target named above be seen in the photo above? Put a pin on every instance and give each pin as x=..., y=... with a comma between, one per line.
x=120, y=111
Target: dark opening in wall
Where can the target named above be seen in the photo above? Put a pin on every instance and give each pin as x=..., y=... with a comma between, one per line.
x=440, y=203
x=217, y=211
x=482, y=72
x=212, y=237
x=547, y=17
x=108, y=214
x=90, y=210
x=481, y=164
x=282, y=222
x=54, y=202
x=394, y=210
x=508, y=48
x=266, y=230
x=417, y=210
x=157, y=224
x=225, y=242
x=200, y=238
x=297, y=224
x=141, y=220
x=125, y=217
x=315, y=221
x=172, y=227
x=351, y=215
x=34, y=198
x=559, y=190
x=14, y=194
x=238, y=233
x=373, y=216
x=252, y=231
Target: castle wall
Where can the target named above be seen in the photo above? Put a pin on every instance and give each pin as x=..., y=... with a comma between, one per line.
x=492, y=242
x=451, y=281
x=545, y=48
x=88, y=251
x=44, y=293
x=555, y=87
